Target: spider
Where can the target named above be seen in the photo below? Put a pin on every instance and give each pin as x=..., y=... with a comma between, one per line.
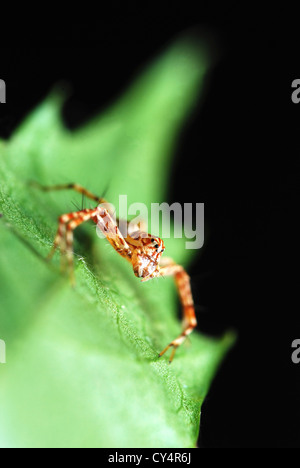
x=142, y=250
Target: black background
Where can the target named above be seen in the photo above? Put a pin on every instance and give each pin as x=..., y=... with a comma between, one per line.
x=239, y=154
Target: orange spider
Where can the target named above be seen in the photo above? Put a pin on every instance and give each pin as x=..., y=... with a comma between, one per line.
x=142, y=250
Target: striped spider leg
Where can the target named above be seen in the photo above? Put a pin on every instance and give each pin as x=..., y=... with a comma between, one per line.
x=142, y=250
x=168, y=267
x=67, y=223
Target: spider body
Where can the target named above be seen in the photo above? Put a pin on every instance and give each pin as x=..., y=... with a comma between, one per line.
x=142, y=250
x=146, y=254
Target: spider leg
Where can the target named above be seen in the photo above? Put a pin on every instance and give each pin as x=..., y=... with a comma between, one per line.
x=182, y=281
x=78, y=188
x=67, y=223
x=59, y=240
x=110, y=229
x=64, y=237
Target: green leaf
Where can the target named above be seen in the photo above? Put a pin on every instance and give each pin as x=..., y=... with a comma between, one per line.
x=82, y=367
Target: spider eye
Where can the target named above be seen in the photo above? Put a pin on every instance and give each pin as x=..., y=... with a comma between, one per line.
x=156, y=246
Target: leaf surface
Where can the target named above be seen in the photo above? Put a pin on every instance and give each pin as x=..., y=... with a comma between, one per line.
x=82, y=367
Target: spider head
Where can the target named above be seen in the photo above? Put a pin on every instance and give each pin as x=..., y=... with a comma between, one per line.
x=146, y=256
